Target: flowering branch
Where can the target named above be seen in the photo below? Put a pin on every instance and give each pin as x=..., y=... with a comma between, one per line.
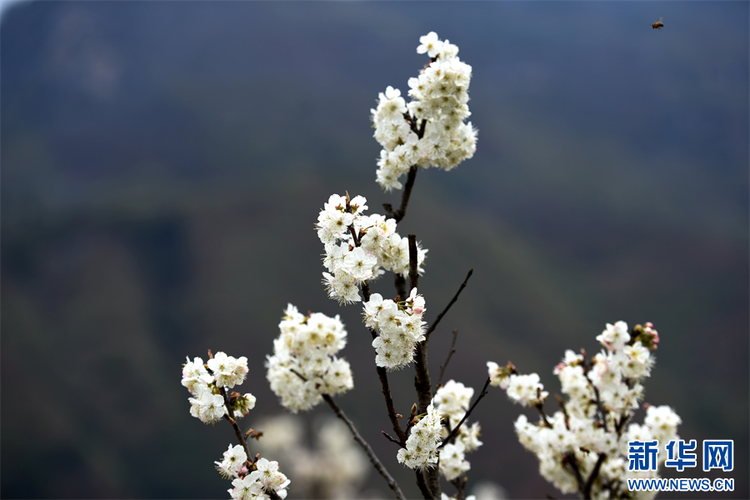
x=257, y=477
x=580, y=447
x=450, y=355
x=584, y=447
x=429, y=131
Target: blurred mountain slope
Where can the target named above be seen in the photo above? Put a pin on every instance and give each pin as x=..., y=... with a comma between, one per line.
x=163, y=165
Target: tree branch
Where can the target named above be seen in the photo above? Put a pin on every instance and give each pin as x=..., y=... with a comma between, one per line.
x=586, y=493
x=413, y=262
x=383, y=375
x=401, y=212
x=426, y=493
x=371, y=454
x=569, y=460
x=421, y=371
x=422, y=382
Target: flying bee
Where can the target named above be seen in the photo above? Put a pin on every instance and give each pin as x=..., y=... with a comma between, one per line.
x=658, y=24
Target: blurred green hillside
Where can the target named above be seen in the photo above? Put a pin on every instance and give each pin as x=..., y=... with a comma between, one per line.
x=163, y=165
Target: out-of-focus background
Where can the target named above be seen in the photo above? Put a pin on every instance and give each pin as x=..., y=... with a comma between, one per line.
x=163, y=165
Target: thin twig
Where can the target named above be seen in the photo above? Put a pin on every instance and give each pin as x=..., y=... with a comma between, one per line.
x=235, y=426
x=371, y=454
x=390, y=438
x=540, y=406
x=450, y=354
x=455, y=430
x=564, y=410
x=453, y=301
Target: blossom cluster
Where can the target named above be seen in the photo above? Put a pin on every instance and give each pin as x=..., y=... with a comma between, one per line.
x=206, y=382
x=452, y=401
x=594, y=425
x=359, y=247
x=261, y=483
x=399, y=326
x=430, y=129
x=258, y=480
x=252, y=481
x=304, y=364
x=424, y=439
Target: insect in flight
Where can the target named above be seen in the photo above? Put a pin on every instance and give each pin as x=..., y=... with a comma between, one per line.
x=658, y=24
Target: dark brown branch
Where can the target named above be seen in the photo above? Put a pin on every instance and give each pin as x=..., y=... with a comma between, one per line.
x=569, y=460
x=445, y=365
x=371, y=454
x=386, y=390
x=422, y=382
x=540, y=406
x=421, y=371
x=621, y=424
x=413, y=262
x=457, y=428
x=586, y=365
x=422, y=378
x=400, y=285
x=564, y=410
x=354, y=235
x=401, y=212
x=453, y=301
x=600, y=406
x=586, y=493
x=426, y=493
x=424, y=397
x=460, y=484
